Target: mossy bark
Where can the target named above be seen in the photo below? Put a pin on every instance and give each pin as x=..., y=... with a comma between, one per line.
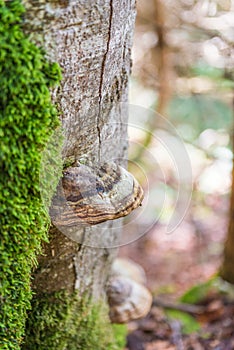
x=67, y=321
x=91, y=41
x=27, y=120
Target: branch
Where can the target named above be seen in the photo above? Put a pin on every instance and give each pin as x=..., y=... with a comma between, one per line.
x=191, y=309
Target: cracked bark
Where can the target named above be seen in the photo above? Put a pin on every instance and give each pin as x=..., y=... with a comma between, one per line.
x=91, y=40
x=103, y=71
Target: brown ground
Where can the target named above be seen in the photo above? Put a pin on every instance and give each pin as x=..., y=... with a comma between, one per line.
x=173, y=264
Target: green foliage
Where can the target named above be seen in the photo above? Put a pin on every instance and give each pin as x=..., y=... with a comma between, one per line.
x=215, y=74
x=188, y=323
x=199, y=292
x=69, y=322
x=202, y=68
x=27, y=119
x=196, y=294
x=193, y=114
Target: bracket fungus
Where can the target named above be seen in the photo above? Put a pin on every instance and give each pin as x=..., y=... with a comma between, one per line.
x=91, y=195
x=127, y=299
x=128, y=268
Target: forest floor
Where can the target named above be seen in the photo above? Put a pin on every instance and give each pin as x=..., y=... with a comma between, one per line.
x=185, y=263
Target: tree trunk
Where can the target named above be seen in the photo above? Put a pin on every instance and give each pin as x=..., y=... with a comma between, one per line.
x=227, y=268
x=91, y=40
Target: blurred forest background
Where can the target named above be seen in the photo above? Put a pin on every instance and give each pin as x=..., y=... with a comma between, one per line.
x=183, y=58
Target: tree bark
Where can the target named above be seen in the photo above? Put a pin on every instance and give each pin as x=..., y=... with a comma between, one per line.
x=91, y=40
x=227, y=267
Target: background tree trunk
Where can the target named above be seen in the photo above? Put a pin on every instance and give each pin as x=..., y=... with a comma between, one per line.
x=91, y=40
x=227, y=268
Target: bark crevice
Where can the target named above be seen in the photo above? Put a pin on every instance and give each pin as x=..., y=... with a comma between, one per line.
x=91, y=41
x=103, y=75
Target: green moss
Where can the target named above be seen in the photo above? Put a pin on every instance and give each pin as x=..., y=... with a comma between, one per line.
x=120, y=332
x=27, y=151
x=27, y=119
x=69, y=322
x=51, y=167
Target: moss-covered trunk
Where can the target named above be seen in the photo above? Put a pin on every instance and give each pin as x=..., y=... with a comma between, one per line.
x=91, y=41
x=27, y=120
